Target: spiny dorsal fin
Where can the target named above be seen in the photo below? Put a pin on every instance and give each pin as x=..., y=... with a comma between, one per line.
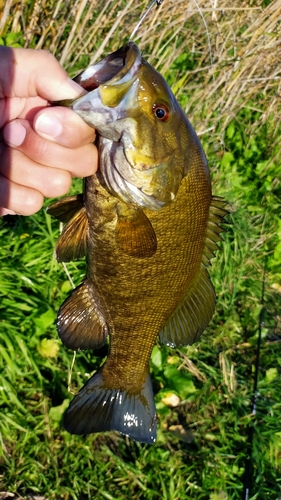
x=80, y=323
x=64, y=209
x=71, y=244
x=216, y=218
x=192, y=315
x=135, y=235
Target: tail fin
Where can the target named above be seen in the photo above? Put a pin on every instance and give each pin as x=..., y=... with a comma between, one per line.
x=97, y=408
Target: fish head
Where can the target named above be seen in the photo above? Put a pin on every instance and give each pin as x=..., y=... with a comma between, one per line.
x=144, y=135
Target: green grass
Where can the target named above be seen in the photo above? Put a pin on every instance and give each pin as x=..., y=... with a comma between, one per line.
x=39, y=456
x=213, y=378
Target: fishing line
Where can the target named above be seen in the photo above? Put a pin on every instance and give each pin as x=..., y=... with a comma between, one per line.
x=68, y=275
x=64, y=264
x=207, y=32
x=70, y=374
x=73, y=286
x=248, y=461
x=158, y=3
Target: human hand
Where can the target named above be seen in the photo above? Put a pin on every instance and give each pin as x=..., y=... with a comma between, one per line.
x=41, y=147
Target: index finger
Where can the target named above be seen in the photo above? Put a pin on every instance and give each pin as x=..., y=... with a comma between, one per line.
x=31, y=73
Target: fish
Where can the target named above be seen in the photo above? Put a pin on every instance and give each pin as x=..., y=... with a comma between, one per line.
x=148, y=225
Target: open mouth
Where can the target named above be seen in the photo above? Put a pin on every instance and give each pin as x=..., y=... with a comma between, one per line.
x=116, y=68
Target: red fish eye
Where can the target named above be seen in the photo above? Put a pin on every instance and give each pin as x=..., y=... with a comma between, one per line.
x=161, y=112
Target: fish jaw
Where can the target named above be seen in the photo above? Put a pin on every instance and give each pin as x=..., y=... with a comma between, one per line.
x=108, y=121
x=109, y=102
x=114, y=68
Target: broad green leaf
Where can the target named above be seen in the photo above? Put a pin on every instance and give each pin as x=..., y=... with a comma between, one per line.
x=48, y=348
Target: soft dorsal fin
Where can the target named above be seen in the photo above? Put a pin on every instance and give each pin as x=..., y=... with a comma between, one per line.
x=216, y=218
x=192, y=315
x=64, y=209
x=135, y=235
x=80, y=323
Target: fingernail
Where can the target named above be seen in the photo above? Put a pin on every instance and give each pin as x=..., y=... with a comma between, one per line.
x=48, y=125
x=14, y=133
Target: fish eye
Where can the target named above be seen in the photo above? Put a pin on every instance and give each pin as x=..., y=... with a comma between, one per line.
x=161, y=112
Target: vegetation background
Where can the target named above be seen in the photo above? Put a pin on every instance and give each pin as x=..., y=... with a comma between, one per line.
x=222, y=59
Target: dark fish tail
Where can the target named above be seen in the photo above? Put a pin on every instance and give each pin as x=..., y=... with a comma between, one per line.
x=98, y=408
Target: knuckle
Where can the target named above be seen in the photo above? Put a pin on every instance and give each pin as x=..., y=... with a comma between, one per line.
x=59, y=185
x=47, y=55
x=41, y=151
x=33, y=201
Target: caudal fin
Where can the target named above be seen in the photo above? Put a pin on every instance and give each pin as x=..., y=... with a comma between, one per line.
x=97, y=408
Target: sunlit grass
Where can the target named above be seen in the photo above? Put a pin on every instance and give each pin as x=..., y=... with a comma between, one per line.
x=202, y=443
x=214, y=383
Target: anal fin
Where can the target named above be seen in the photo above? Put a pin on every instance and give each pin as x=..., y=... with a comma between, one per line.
x=135, y=235
x=98, y=408
x=192, y=315
x=80, y=324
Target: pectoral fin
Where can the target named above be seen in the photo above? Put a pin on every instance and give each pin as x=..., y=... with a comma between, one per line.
x=65, y=209
x=192, y=315
x=71, y=244
x=80, y=323
x=135, y=235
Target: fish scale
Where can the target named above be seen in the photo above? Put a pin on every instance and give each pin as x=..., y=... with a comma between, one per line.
x=147, y=244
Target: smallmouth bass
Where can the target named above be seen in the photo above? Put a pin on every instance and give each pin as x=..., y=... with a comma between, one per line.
x=148, y=225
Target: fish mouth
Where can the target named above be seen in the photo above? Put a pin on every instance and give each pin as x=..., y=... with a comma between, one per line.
x=107, y=82
x=117, y=68
x=112, y=85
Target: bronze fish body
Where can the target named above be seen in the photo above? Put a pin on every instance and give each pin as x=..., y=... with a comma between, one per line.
x=148, y=225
